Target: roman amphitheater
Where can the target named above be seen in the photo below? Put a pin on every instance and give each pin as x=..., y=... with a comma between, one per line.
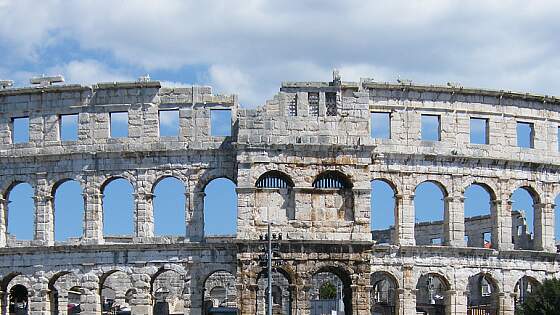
x=304, y=161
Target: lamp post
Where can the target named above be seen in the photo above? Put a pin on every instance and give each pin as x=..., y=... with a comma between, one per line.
x=269, y=266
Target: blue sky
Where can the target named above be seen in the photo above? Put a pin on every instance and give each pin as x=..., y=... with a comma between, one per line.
x=249, y=47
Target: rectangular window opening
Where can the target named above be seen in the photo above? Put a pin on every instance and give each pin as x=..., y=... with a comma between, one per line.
x=313, y=100
x=118, y=124
x=220, y=122
x=292, y=105
x=431, y=128
x=168, y=123
x=479, y=131
x=381, y=125
x=525, y=135
x=68, y=127
x=436, y=241
x=487, y=237
x=20, y=130
x=330, y=102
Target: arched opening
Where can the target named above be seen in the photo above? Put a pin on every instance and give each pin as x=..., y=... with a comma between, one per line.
x=478, y=216
x=167, y=293
x=118, y=210
x=332, y=199
x=220, y=293
x=523, y=216
x=65, y=294
x=383, y=294
x=482, y=295
x=431, y=295
x=169, y=207
x=276, y=195
x=21, y=212
x=523, y=288
x=220, y=208
x=429, y=210
x=330, y=293
x=281, y=293
x=115, y=291
x=19, y=300
x=68, y=210
x=383, y=212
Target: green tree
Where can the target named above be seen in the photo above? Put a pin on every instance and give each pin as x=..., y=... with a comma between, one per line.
x=327, y=291
x=544, y=300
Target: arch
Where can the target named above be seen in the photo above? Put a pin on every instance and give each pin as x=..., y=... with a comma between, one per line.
x=332, y=179
x=65, y=289
x=383, y=211
x=341, y=281
x=479, y=209
x=19, y=300
x=18, y=288
x=430, y=211
x=68, y=209
x=523, y=287
x=220, y=208
x=432, y=294
x=167, y=288
x=118, y=207
x=169, y=205
x=383, y=298
x=523, y=205
x=20, y=211
x=220, y=279
x=114, y=289
x=274, y=179
x=281, y=292
x=483, y=294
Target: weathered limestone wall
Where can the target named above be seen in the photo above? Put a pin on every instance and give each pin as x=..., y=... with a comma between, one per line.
x=308, y=132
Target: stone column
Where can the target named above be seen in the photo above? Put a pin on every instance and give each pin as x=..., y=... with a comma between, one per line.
x=141, y=303
x=144, y=215
x=62, y=303
x=44, y=216
x=39, y=302
x=407, y=294
x=506, y=303
x=4, y=303
x=454, y=221
x=90, y=300
x=3, y=221
x=544, y=227
x=501, y=222
x=196, y=208
x=93, y=211
x=459, y=306
x=404, y=220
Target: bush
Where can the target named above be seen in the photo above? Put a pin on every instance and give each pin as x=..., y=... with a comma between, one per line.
x=544, y=300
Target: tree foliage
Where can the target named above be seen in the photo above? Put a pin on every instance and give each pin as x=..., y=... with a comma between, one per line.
x=327, y=291
x=544, y=300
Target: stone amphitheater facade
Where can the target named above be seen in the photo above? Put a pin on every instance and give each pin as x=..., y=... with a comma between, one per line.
x=304, y=160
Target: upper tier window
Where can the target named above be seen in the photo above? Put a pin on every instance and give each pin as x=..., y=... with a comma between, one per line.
x=331, y=104
x=313, y=100
x=431, y=128
x=331, y=179
x=220, y=122
x=69, y=127
x=20, y=130
x=168, y=123
x=381, y=125
x=525, y=135
x=118, y=124
x=479, y=130
x=274, y=179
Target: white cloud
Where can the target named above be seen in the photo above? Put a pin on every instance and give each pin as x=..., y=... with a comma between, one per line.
x=89, y=72
x=250, y=46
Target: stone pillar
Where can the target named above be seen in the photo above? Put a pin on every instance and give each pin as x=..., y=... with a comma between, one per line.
x=459, y=306
x=407, y=294
x=454, y=221
x=4, y=303
x=3, y=221
x=404, y=220
x=544, y=227
x=90, y=301
x=144, y=215
x=141, y=303
x=196, y=208
x=506, y=303
x=62, y=303
x=39, y=302
x=501, y=222
x=44, y=216
x=93, y=224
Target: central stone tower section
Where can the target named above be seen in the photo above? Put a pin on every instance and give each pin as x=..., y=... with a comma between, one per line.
x=303, y=164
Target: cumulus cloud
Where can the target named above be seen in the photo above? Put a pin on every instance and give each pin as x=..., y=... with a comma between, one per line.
x=89, y=72
x=248, y=47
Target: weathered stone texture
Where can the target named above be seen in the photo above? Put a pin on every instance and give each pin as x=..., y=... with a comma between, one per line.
x=313, y=139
